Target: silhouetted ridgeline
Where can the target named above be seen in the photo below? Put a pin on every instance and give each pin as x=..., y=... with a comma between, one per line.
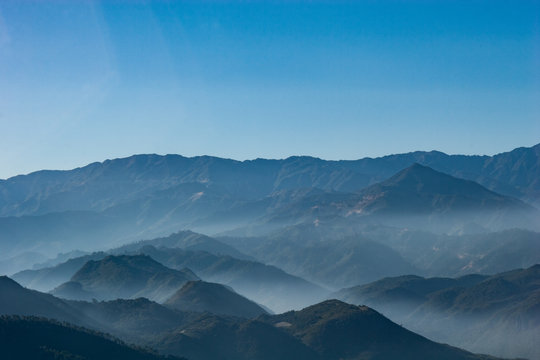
x=38, y=338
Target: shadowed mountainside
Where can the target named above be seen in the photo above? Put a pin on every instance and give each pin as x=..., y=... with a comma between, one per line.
x=200, y=296
x=145, y=196
x=35, y=338
x=499, y=314
x=328, y=330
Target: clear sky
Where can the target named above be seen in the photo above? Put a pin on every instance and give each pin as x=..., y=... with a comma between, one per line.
x=83, y=81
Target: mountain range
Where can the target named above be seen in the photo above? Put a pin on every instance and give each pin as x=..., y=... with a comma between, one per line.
x=194, y=257
x=36, y=338
x=513, y=173
x=145, y=196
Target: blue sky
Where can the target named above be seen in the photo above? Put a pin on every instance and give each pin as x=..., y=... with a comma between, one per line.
x=85, y=81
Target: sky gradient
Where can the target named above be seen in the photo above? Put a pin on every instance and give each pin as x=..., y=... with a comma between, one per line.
x=86, y=81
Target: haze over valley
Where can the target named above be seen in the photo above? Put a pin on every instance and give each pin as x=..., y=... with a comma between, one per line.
x=207, y=249
x=269, y=180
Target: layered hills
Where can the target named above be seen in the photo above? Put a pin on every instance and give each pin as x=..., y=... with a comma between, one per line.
x=497, y=314
x=363, y=334
x=145, y=196
x=329, y=330
x=124, y=277
x=35, y=338
x=513, y=173
x=408, y=232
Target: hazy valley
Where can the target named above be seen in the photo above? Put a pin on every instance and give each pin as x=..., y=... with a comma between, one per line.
x=209, y=258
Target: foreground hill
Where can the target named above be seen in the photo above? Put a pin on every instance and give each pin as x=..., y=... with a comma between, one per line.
x=217, y=299
x=264, y=284
x=329, y=330
x=133, y=320
x=35, y=338
x=101, y=185
x=124, y=277
x=221, y=338
x=497, y=314
x=339, y=255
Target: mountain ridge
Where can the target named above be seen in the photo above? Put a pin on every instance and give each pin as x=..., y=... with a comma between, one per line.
x=124, y=276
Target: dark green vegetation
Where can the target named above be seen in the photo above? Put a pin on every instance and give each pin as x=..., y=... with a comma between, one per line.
x=35, y=338
x=124, y=277
x=338, y=256
x=499, y=314
x=200, y=296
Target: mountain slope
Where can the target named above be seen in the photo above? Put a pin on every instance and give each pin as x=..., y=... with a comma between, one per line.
x=267, y=285
x=217, y=299
x=417, y=196
x=146, y=196
x=134, y=320
x=219, y=338
x=513, y=173
x=124, y=277
x=497, y=314
x=34, y=338
x=48, y=278
x=341, y=331
x=421, y=189
x=330, y=255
